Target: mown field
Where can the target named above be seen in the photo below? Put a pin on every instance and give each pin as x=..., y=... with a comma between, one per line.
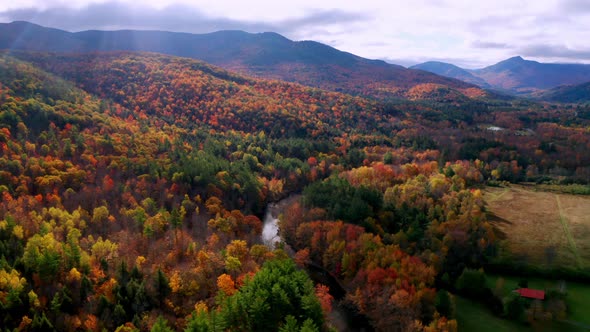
x=544, y=230
x=539, y=228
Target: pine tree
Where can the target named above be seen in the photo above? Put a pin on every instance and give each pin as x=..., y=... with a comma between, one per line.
x=161, y=287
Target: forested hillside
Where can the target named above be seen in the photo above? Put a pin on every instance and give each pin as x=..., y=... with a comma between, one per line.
x=132, y=187
x=568, y=94
x=266, y=55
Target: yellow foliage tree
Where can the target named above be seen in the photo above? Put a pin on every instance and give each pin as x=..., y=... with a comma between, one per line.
x=226, y=284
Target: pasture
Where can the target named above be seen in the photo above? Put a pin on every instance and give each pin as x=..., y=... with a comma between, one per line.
x=539, y=228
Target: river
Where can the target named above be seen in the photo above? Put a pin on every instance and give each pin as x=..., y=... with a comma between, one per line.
x=270, y=223
x=342, y=317
x=270, y=226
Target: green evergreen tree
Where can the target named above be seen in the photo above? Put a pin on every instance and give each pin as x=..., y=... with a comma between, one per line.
x=279, y=289
x=161, y=325
x=161, y=287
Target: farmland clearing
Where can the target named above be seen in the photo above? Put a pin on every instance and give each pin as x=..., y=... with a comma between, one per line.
x=544, y=229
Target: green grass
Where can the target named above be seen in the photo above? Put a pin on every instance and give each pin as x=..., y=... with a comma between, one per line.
x=579, y=301
x=575, y=189
x=473, y=316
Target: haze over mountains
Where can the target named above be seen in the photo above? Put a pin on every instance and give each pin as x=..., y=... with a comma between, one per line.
x=267, y=55
x=515, y=75
x=272, y=56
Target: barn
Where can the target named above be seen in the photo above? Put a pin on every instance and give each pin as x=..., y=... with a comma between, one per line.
x=531, y=293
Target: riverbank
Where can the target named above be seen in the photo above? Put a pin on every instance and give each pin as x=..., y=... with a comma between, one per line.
x=342, y=318
x=270, y=222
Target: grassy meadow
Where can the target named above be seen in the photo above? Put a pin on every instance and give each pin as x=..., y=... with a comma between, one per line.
x=539, y=228
x=544, y=229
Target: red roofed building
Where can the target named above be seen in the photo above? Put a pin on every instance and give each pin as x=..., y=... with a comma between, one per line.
x=531, y=293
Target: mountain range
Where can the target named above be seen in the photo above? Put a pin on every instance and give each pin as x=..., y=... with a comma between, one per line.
x=515, y=75
x=272, y=56
x=266, y=55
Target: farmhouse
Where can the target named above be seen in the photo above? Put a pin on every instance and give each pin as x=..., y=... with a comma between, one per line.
x=494, y=128
x=531, y=293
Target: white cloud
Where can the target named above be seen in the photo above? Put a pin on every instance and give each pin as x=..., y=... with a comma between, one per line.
x=473, y=33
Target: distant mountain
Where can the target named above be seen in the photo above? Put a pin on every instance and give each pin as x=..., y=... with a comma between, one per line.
x=517, y=75
x=449, y=70
x=568, y=94
x=266, y=55
x=526, y=76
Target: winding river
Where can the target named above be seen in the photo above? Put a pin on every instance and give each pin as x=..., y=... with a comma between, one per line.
x=342, y=317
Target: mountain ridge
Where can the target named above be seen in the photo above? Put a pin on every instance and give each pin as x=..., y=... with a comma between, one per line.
x=267, y=55
x=516, y=75
x=579, y=93
x=450, y=70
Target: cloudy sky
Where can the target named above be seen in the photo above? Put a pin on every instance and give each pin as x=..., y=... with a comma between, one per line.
x=464, y=32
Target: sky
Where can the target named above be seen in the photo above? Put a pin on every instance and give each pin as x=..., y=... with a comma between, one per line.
x=468, y=33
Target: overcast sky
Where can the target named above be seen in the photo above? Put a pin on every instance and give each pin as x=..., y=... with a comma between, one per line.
x=469, y=33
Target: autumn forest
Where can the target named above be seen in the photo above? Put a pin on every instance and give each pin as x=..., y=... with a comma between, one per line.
x=134, y=187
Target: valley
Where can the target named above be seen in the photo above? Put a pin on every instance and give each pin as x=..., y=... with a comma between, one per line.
x=278, y=185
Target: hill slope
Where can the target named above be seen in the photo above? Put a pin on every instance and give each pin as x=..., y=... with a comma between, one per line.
x=515, y=75
x=568, y=93
x=188, y=92
x=267, y=55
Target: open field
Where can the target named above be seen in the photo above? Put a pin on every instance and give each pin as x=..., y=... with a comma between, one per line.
x=545, y=229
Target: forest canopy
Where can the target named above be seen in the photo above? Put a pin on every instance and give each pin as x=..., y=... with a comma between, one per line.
x=133, y=186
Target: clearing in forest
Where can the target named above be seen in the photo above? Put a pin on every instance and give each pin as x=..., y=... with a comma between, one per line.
x=544, y=229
